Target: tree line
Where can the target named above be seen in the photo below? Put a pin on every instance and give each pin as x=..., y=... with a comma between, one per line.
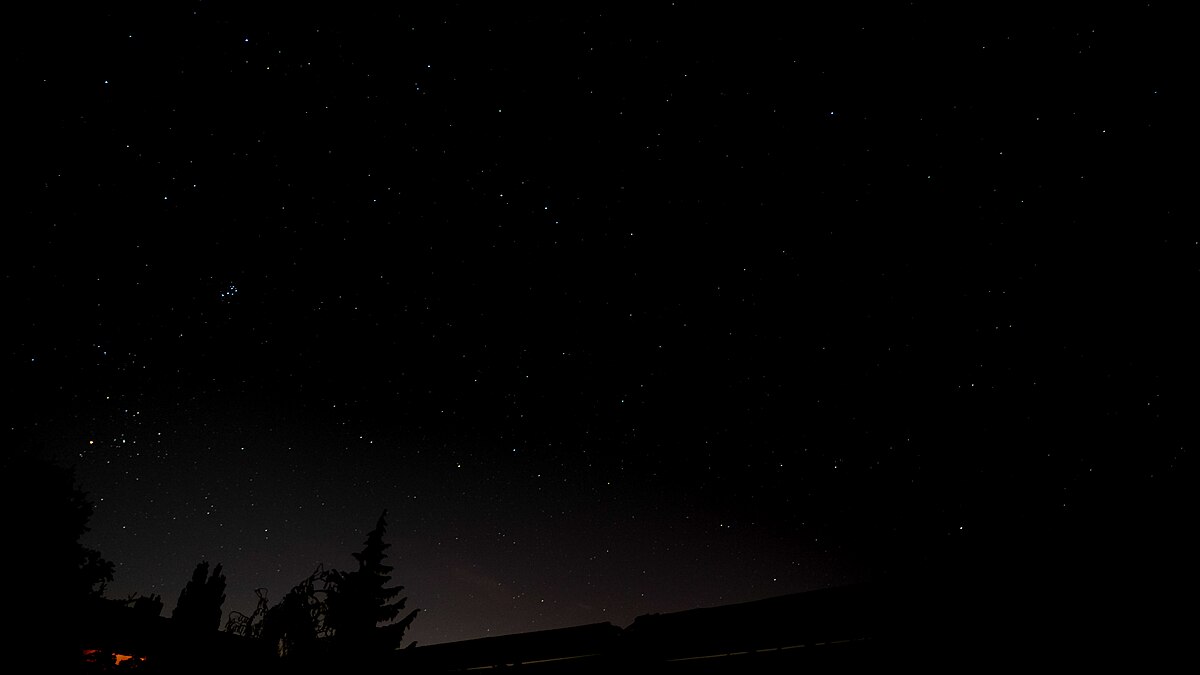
x=333, y=616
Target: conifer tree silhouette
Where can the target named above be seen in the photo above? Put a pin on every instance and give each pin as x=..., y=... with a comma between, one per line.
x=360, y=600
x=199, y=606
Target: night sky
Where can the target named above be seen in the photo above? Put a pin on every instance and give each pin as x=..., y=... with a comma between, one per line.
x=616, y=311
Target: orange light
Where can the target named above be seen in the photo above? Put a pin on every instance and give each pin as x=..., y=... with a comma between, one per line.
x=92, y=655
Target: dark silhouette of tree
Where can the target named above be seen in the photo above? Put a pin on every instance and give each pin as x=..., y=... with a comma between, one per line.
x=331, y=620
x=149, y=606
x=56, y=514
x=199, y=606
x=46, y=515
x=293, y=627
x=249, y=626
x=359, y=601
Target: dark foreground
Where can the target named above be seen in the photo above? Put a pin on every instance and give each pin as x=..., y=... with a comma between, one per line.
x=948, y=626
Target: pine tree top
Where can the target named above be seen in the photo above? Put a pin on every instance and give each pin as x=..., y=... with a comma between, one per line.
x=364, y=593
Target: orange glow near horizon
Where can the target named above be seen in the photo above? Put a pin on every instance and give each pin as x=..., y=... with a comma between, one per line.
x=91, y=656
